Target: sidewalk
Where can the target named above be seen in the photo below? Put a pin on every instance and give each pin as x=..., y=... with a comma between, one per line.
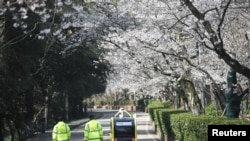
x=73, y=124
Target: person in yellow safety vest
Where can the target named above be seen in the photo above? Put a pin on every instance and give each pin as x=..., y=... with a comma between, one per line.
x=93, y=130
x=61, y=131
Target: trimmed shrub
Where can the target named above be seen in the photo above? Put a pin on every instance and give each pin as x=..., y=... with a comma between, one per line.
x=211, y=110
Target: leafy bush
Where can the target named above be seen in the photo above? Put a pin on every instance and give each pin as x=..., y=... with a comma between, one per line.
x=211, y=110
x=153, y=105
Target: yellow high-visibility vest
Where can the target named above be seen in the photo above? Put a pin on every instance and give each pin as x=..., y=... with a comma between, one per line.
x=93, y=131
x=61, y=132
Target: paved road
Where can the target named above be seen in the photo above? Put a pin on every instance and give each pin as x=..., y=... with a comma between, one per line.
x=144, y=130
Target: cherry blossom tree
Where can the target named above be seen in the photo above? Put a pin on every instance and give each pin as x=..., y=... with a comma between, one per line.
x=193, y=35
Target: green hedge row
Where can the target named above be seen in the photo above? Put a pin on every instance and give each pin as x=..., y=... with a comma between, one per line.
x=182, y=125
x=153, y=105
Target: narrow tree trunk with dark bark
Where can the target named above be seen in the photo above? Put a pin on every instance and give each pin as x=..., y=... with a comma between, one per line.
x=1, y=127
x=233, y=97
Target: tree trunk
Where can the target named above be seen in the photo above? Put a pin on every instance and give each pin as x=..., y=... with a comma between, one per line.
x=233, y=98
x=1, y=127
x=193, y=98
x=67, y=107
x=46, y=112
x=11, y=130
x=30, y=111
